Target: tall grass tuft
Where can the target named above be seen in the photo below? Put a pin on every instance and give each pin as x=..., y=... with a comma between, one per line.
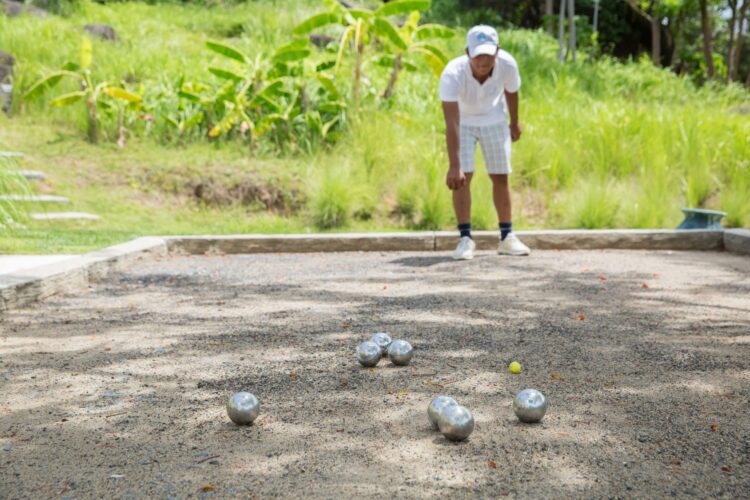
x=12, y=214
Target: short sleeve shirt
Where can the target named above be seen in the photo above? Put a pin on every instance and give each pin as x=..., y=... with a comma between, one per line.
x=480, y=103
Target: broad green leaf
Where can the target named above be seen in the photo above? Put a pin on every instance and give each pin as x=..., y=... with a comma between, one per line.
x=172, y=121
x=366, y=15
x=400, y=7
x=433, y=31
x=188, y=95
x=385, y=60
x=66, y=99
x=44, y=84
x=315, y=22
x=291, y=55
x=86, y=52
x=121, y=93
x=70, y=66
x=327, y=126
x=225, y=74
x=273, y=88
x=300, y=43
x=426, y=47
x=408, y=65
x=327, y=83
x=194, y=120
x=226, y=51
x=325, y=65
x=343, y=43
x=386, y=30
x=435, y=63
x=332, y=107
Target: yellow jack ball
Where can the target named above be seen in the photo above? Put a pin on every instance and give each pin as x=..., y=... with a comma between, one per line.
x=514, y=367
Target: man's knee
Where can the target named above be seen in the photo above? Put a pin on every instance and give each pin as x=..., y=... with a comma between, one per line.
x=499, y=179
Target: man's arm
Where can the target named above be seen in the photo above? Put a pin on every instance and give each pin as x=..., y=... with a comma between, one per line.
x=455, y=178
x=511, y=98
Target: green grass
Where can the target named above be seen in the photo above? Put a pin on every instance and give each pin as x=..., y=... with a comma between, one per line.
x=605, y=144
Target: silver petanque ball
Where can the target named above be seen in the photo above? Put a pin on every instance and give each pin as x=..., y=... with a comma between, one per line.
x=383, y=340
x=530, y=406
x=400, y=352
x=243, y=408
x=456, y=422
x=436, y=407
x=368, y=353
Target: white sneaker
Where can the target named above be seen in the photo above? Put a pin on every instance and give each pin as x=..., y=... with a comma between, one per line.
x=465, y=249
x=511, y=245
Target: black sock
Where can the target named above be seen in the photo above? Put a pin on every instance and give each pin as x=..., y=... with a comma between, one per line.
x=465, y=230
x=505, y=229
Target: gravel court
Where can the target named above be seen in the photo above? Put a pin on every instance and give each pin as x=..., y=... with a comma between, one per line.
x=644, y=357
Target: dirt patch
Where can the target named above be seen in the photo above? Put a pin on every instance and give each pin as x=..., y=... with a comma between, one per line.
x=250, y=192
x=644, y=357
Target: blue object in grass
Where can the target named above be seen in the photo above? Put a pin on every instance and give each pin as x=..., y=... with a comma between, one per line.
x=699, y=218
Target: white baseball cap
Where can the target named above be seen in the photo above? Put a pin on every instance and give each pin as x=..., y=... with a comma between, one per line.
x=482, y=39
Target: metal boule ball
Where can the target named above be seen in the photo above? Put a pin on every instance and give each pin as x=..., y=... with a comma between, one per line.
x=368, y=353
x=383, y=340
x=243, y=408
x=400, y=352
x=530, y=406
x=456, y=422
x=437, y=406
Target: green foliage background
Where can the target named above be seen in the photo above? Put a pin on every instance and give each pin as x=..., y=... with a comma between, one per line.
x=606, y=143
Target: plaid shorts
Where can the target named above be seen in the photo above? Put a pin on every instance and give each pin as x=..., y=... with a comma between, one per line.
x=495, y=142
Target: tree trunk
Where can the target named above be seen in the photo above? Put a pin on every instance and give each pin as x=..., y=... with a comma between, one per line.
x=677, y=38
x=572, y=28
x=707, y=51
x=394, y=76
x=549, y=11
x=93, y=122
x=656, y=39
x=596, y=16
x=561, y=30
x=739, y=41
x=360, y=48
x=730, y=45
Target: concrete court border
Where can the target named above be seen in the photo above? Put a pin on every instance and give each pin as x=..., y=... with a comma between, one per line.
x=31, y=285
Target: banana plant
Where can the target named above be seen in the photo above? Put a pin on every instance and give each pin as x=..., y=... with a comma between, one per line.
x=268, y=94
x=94, y=95
x=362, y=26
x=412, y=38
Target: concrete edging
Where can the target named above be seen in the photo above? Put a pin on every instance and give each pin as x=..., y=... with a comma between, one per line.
x=621, y=239
x=659, y=239
x=31, y=285
x=737, y=241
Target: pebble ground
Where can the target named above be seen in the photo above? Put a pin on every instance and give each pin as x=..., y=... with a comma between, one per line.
x=119, y=391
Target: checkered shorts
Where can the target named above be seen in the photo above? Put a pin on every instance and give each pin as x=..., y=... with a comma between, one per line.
x=495, y=142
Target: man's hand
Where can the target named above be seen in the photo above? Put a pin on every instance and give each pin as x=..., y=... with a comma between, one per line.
x=515, y=131
x=455, y=179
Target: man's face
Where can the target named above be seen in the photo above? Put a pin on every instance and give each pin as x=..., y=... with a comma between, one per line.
x=482, y=64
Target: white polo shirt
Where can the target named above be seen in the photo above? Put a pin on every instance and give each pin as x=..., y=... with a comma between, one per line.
x=480, y=103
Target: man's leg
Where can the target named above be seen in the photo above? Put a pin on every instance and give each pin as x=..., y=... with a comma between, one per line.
x=501, y=198
x=495, y=142
x=462, y=206
x=462, y=196
x=462, y=201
